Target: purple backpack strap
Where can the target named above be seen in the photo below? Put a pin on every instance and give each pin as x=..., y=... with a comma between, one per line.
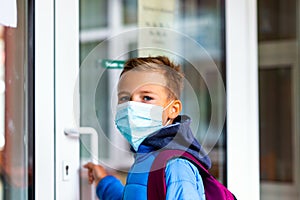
x=157, y=190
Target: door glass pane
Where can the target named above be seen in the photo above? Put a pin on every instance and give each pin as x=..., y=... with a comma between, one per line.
x=93, y=14
x=276, y=125
x=129, y=12
x=16, y=157
x=200, y=21
x=90, y=76
x=277, y=19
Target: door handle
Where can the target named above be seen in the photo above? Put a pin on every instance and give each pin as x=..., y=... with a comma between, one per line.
x=76, y=132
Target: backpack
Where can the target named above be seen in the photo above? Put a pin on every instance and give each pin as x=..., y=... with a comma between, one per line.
x=156, y=189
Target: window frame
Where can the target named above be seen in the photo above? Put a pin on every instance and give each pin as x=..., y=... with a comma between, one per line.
x=284, y=54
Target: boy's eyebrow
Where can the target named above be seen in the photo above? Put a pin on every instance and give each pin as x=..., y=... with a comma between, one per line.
x=123, y=93
x=153, y=93
x=148, y=91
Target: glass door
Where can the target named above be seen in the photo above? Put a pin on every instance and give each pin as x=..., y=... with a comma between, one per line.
x=91, y=42
x=279, y=99
x=115, y=31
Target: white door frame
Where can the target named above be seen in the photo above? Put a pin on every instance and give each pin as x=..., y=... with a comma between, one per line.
x=242, y=99
x=66, y=74
x=44, y=100
x=56, y=71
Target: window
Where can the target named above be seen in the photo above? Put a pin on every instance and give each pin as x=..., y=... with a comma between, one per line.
x=16, y=107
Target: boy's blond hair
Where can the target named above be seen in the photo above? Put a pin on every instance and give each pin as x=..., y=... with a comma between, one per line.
x=162, y=64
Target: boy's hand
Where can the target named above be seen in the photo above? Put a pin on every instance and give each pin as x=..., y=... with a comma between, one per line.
x=95, y=172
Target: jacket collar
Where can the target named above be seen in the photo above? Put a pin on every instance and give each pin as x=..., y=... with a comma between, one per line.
x=175, y=136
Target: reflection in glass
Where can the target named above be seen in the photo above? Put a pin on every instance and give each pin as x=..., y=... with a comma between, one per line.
x=86, y=48
x=202, y=21
x=276, y=152
x=277, y=19
x=93, y=14
x=16, y=161
x=89, y=78
x=129, y=12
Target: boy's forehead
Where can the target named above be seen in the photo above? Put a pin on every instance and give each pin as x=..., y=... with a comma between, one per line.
x=132, y=80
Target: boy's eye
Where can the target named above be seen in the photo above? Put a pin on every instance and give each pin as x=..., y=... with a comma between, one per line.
x=147, y=98
x=124, y=99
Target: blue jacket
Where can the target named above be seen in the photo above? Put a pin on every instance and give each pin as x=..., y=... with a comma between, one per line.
x=183, y=180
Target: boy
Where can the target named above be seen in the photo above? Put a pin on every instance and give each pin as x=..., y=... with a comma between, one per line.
x=148, y=117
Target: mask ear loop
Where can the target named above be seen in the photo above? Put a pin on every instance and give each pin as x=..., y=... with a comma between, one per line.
x=168, y=105
x=169, y=120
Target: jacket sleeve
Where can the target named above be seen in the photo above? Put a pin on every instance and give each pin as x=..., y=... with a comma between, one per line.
x=183, y=180
x=110, y=188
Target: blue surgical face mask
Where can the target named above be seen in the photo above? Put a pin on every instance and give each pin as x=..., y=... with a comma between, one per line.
x=137, y=120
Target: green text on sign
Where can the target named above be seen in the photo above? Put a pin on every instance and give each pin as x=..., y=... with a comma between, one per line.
x=112, y=64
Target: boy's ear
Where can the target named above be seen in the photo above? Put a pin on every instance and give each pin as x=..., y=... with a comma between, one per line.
x=175, y=109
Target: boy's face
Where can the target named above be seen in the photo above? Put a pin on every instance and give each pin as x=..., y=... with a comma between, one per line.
x=146, y=87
